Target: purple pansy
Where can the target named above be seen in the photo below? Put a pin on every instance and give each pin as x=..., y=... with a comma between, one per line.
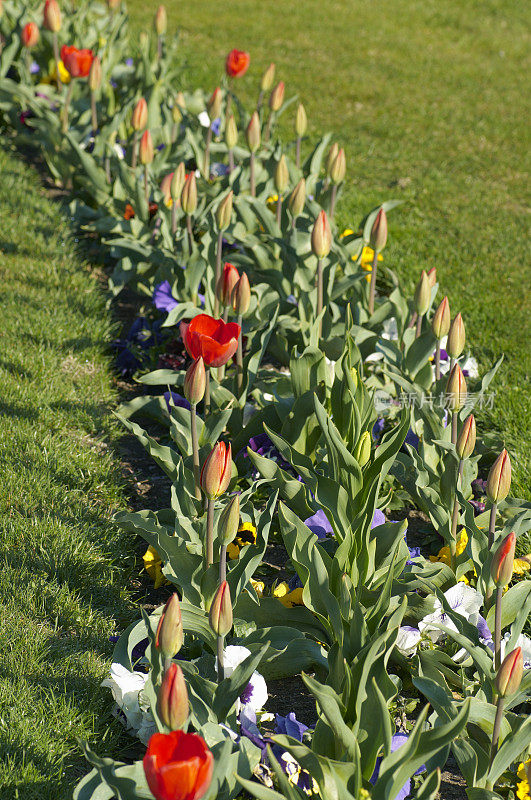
x=290, y=726
x=215, y=126
x=131, y=350
x=163, y=298
x=34, y=68
x=177, y=400
x=318, y=523
x=412, y=439
x=377, y=428
x=129, y=62
x=397, y=741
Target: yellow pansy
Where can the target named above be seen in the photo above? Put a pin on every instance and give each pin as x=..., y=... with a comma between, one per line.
x=246, y=535
x=444, y=553
x=271, y=202
x=259, y=587
x=64, y=75
x=153, y=567
x=367, y=255
x=522, y=787
x=522, y=565
x=288, y=598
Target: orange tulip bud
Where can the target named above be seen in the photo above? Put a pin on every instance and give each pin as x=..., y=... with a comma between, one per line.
x=146, y=151
x=241, y=295
x=456, y=389
x=467, y=438
x=169, y=636
x=140, y=115
x=378, y=236
x=321, y=236
x=189, y=194
x=501, y=568
x=276, y=98
x=440, y=323
x=253, y=134
x=195, y=381
x=217, y=470
x=510, y=673
x=499, y=478
x=161, y=21
x=172, y=702
x=30, y=35
x=226, y=283
x=94, y=79
x=52, y=16
x=220, y=615
x=456, y=337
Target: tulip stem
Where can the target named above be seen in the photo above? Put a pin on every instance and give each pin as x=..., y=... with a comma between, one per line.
x=412, y=321
x=206, y=406
x=221, y=665
x=455, y=415
x=438, y=360
x=239, y=358
x=229, y=102
x=190, y=234
x=231, y=161
x=268, y=127
x=146, y=183
x=66, y=106
x=419, y=325
x=253, y=185
x=223, y=563
x=279, y=210
x=94, y=113
x=260, y=101
x=320, y=293
x=210, y=532
x=206, y=166
x=57, y=59
x=492, y=523
x=455, y=517
x=134, y=155
x=217, y=276
x=298, y=152
x=372, y=290
x=497, y=628
x=333, y=200
x=496, y=730
x=195, y=450
x=159, y=48
x=174, y=217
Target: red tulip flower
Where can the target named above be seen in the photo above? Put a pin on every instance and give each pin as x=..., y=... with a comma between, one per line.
x=178, y=766
x=212, y=339
x=77, y=62
x=237, y=63
x=30, y=34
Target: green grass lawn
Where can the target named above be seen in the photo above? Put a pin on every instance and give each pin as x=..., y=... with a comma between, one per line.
x=62, y=562
x=429, y=100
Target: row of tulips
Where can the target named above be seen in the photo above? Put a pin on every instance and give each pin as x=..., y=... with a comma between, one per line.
x=326, y=400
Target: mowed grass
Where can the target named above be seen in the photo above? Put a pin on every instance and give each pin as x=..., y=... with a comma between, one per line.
x=62, y=562
x=429, y=99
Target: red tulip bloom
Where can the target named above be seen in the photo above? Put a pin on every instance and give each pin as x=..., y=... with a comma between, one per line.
x=178, y=766
x=77, y=62
x=30, y=34
x=212, y=339
x=237, y=63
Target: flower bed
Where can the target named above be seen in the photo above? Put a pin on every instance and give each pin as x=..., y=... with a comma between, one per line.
x=307, y=412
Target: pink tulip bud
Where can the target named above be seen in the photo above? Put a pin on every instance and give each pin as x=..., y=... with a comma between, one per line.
x=241, y=295
x=172, y=702
x=52, y=16
x=378, y=236
x=189, y=194
x=195, y=381
x=217, y=470
x=276, y=98
x=226, y=283
x=499, y=478
x=160, y=21
x=140, y=115
x=321, y=236
x=502, y=565
x=456, y=337
x=422, y=294
x=220, y=616
x=467, y=438
x=456, y=389
x=440, y=323
x=510, y=673
x=146, y=151
x=169, y=636
x=253, y=134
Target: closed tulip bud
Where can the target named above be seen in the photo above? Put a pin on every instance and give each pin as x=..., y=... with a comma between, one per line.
x=177, y=182
x=456, y=337
x=432, y=277
x=224, y=212
x=378, y=237
x=1, y=9
x=226, y=283
x=160, y=21
x=321, y=236
x=301, y=120
x=467, y=438
x=217, y=470
x=281, y=175
x=241, y=295
x=94, y=79
x=276, y=98
x=252, y=133
x=229, y=521
x=30, y=35
x=297, y=198
x=195, y=381
x=440, y=323
x=173, y=705
x=113, y=5
x=456, y=389
x=214, y=104
x=499, y=478
x=268, y=78
x=140, y=115
x=169, y=636
x=52, y=16
x=331, y=157
x=145, y=152
x=231, y=133
x=176, y=114
x=510, y=673
x=422, y=294
x=180, y=101
x=363, y=450
x=220, y=615
x=501, y=568
x=189, y=194
x=338, y=168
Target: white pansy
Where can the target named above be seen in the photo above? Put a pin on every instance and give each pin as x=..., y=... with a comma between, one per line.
x=524, y=642
x=204, y=119
x=407, y=640
x=389, y=332
x=127, y=690
x=464, y=600
x=255, y=695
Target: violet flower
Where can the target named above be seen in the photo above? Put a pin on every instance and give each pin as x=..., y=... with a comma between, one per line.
x=163, y=298
x=397, y=741
x=177, y=400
